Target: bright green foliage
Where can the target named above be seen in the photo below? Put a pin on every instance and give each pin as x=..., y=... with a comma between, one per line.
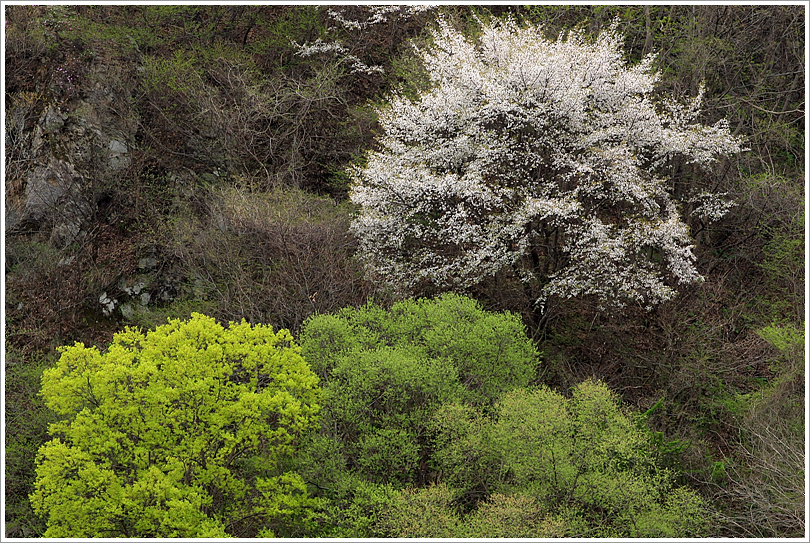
x=379, y=401
x=355, y=507
x=386, y=372
x=463, y=454
x=582, y=458
x=489, y=351
x=430, y=512
x=175, y=433
x=788, y=339
x=420, y=513
x=784, y=338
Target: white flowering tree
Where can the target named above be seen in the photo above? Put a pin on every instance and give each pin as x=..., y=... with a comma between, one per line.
x=546, y=158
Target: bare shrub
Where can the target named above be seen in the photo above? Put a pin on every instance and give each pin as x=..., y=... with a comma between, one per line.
x=21, y=113
x=766, y=484
x=217, y=107
x=26, y=45
x=274, y=257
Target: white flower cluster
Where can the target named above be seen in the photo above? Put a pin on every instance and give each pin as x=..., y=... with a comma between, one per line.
x=320, y=46
x=710, y=206
x=377, y=15
x=542, y=155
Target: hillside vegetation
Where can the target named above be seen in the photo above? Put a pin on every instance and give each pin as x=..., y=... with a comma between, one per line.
x=174, y=169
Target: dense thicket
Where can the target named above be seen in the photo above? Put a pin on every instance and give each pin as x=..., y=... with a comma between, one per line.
x=234, y=204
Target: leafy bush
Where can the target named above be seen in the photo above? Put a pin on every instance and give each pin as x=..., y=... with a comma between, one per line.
x=776, y=209
x=431, y=512
x=516, y=515
x=354, y=507
x=385, y=372
x=489, y=351
x=379, y=400
x=26, y=429
x=584, y=459
x=175, y=433
x=786, y=339
x=420, y=513
x=766, y=472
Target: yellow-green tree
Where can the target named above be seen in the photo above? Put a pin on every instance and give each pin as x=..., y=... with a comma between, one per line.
x=176, y=432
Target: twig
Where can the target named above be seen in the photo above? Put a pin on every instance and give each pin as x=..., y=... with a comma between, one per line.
x=773, y=112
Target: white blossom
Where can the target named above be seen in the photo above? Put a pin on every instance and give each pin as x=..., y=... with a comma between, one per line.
x=319, y=46
x=376, y=15
x=710, y=206
x=545, y=157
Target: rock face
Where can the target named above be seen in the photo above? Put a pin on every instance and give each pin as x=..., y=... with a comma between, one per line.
x=78, y=148
x=54, y=193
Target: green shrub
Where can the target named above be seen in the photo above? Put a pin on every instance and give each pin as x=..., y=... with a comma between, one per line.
x=176, y=433
x=432, y=512
x=513, y=516
x=463, y=456
x=786, y=339
x=355, y=506
x=764, y=478
x=490, y=351
x=386, y=372
x=420, y=513
x=583, y=459
x=26, y=429
x=378, y=402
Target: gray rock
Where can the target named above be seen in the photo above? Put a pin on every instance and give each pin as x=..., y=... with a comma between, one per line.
x=135, y=289
x=71, y=218
x=107, y=304
x=117, y=160
x=148, y=263
x=74, y=149
x=54, y=191
x=127, y=311
x=46, y=186
x=118, y=147
x=167, y=292
x=13, y=215
x=65, y=233
x=52, y=120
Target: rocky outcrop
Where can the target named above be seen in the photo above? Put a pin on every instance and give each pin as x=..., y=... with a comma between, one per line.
x=74, y=150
